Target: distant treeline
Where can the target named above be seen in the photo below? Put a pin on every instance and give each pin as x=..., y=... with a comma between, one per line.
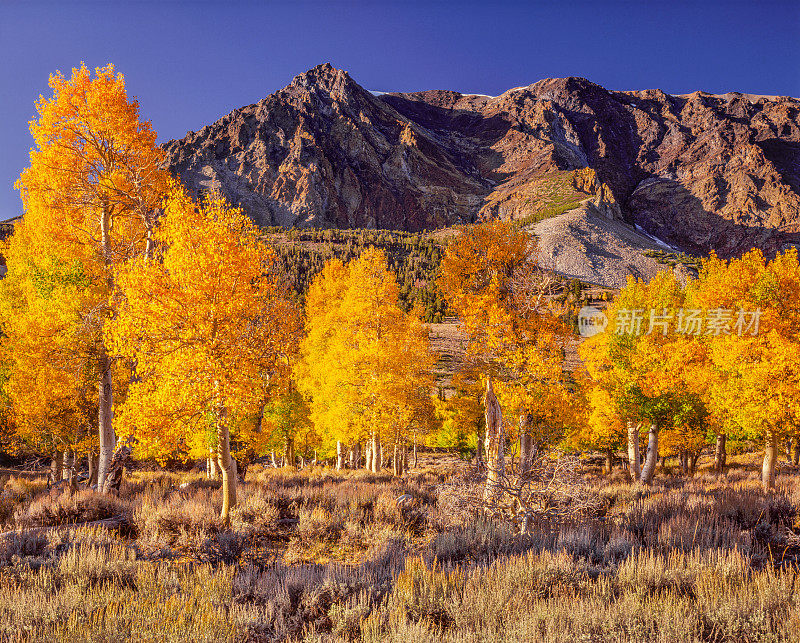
x=413, y=257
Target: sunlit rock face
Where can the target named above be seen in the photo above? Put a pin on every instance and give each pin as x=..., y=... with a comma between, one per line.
x=699, y=171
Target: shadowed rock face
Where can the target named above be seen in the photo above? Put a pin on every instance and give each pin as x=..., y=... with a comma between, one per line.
x=699, y=171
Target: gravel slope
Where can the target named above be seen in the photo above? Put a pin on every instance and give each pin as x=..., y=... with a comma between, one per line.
x=586, y=245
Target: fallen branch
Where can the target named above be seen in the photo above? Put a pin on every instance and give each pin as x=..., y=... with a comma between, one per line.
x=108, y=523
x=27, y=475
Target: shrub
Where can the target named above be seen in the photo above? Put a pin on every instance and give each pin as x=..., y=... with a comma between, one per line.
x=70, y=508
x=318, y=525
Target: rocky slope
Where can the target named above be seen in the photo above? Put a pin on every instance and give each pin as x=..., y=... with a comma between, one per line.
x=583, y=244
x=699, y=171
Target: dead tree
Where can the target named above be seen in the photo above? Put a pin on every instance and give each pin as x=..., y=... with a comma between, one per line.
x=495, y=446
x=116, y=468
x=551, y=488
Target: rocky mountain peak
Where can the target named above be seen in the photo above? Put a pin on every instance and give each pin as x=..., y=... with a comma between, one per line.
x=325, y=78
x=699, y=171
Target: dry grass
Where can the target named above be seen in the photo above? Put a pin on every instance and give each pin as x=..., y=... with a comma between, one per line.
x=325, y=556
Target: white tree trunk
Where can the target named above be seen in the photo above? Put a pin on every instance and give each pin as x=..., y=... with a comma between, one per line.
x=213, y=468
x=228, y=469
x=56, y=464
x=376, y=454
x=105, y=403
x=105, y=418
x=375, y=459
x=70, y=463
x=649, y=468
x=288, y=454
x=720, y=453
x=339, y=455
x=65, y=464
x=92, y=459
x=495, y=460
x=770, y=458
x=634, y=461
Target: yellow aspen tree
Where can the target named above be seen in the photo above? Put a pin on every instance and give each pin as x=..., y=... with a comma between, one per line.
x=204, y=321
x=324, y=368
x=47, y=353
x=365, y=364
x=461, y=415
x=286, y=422
x=628, y=362
x=92, y=190
x=602, y=428
x=756, y=388
x=490, y=279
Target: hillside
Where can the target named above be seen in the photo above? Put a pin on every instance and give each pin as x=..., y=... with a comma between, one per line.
x=699, y=171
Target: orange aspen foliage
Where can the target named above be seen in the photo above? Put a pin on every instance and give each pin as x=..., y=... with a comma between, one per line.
x=92, y=192
x=207, y=323
x=491, y=279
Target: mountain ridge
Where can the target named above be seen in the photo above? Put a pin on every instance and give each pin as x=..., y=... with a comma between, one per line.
x=700, y=171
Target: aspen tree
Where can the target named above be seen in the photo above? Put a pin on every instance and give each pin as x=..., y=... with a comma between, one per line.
x=365, y=364
x=92, y=190
x=756, y=385
x=48, y=353
x=491, y=280
x=205, y=321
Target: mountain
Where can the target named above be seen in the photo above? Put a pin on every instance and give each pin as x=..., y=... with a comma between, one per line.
x=698, y=171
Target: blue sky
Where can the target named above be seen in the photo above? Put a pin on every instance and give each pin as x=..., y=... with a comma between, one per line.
x=189, y=63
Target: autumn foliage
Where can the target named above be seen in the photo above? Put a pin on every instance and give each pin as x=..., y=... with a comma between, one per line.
x=365, y=364
x=207, y=324
x=720, y=360
x=132, y=309
x=91, y=196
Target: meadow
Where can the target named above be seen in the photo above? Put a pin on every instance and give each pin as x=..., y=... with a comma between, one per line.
x=321, y=555
x=141, y=324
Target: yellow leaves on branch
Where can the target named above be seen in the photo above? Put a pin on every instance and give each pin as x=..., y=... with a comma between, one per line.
x=365, y=363
x=477, y=277
x=206, y=323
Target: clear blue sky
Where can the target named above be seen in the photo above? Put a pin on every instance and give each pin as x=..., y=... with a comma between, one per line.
x=189, y=63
